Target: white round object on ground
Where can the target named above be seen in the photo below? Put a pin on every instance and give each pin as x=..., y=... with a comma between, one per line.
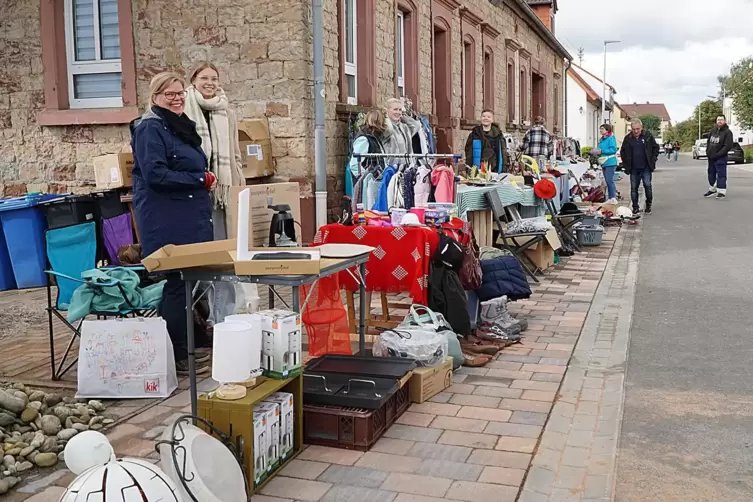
x=624, y=212
x=123, y=480
x=255, y=321
x=231, y=351
x=86, y=450
x=213, y=470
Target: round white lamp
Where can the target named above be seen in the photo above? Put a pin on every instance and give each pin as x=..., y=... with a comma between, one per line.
x=123, y=480
x=255, y=321
x=231, y=361
x=86, y=450
x=210, y=470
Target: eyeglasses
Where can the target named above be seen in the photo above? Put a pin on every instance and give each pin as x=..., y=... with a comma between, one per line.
x=172, y=96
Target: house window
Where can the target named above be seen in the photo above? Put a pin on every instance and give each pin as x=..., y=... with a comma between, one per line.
x=469, y=79
x=351, y=51
x=510, y=91
x=523, y=95
x=488, y=80
x=92, y=43
x=400, y=53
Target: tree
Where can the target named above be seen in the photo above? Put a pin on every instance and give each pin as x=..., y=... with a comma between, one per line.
x=686, y=132
x=710, y=110
x=739, y=85
x=651, y=123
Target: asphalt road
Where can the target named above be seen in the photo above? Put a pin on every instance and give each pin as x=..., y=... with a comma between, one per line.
x=687, y=433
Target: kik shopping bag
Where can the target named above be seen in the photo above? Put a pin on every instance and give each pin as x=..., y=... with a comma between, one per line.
x=125, y=358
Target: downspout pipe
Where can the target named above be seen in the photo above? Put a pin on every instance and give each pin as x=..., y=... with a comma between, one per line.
x=320, y=144
x=569, y=64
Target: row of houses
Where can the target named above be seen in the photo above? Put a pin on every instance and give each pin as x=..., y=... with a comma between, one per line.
x=76, y=72
x=584, y=108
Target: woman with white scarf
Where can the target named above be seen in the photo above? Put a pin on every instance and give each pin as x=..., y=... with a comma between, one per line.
x=207, y=105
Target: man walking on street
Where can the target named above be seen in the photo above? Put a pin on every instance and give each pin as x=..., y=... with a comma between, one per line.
x=538, y=142
x=639, y=153
x=717, y=147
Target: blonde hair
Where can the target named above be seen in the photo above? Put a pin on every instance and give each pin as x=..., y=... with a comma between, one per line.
x=163, y=80
x=374, y=121
x=393, y=101
x=203, y=66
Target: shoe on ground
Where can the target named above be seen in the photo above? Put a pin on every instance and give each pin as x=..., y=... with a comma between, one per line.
x=636, y=210
x=648, y=209
x=721, y=196
x=506, y=319
x=475, y=360
x=181, y=367
x=611, y=201
x=495, y=333
x=479, y=347
x=710, y=193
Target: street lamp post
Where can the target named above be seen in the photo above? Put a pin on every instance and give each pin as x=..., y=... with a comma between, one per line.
x=604, y=80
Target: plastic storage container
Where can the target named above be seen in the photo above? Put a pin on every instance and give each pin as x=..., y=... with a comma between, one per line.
x=69, y=210
x=589, y=235
x=24, y=225
x=7, y=279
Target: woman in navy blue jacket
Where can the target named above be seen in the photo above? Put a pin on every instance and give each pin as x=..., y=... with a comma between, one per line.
x=171, y=188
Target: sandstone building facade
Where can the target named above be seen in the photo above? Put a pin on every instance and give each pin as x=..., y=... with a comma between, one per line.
x=76, y=72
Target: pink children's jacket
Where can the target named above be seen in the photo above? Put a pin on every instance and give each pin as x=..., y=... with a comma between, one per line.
x=443, y=178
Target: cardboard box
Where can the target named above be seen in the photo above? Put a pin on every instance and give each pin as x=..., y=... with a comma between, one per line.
x=287, y=422
x=261, y=217
x=428, y=382
x=113, y=171
x=256, y=148
x=542, y=255
x=272, y=411
x=281, y=345
x=260, y=447
x=222, y=256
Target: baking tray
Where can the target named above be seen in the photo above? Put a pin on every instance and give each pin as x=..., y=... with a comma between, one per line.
x=336, y=389
x=377, y=367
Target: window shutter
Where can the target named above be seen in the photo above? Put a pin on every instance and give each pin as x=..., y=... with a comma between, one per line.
x=97, y=85
x=108, y=29
x=83, y=29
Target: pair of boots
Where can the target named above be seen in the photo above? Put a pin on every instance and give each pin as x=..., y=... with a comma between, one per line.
x=497, y=324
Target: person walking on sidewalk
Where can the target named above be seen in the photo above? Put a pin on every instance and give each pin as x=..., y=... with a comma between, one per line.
x=538, y=143
x=717, y=147
x=676, y=148
x=607, y=152
x=639, y=153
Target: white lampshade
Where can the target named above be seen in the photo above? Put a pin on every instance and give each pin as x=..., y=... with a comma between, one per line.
x=255, y=321
x=231, y=352
x=86, y=450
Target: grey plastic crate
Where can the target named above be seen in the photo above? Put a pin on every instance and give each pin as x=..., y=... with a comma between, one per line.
x=590, y=235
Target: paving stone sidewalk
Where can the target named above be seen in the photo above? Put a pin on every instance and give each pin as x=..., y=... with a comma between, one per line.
x=576, y=458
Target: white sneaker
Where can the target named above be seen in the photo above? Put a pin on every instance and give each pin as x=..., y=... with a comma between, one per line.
x=611, y=201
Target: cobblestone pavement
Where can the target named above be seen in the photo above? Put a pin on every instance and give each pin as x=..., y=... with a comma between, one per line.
x=474, y=442
x=575, y=460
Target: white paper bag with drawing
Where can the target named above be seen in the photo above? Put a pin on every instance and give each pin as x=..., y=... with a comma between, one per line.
x=126, y=358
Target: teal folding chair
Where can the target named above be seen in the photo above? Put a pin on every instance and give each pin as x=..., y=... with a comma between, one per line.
x=71, y=251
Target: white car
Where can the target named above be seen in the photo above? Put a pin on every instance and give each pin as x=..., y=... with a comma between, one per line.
x=699, y=148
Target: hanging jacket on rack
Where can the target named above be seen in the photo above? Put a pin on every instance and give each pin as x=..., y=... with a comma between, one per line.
x=370, y=191
x=409, y=180
x=443, y=178
x=381, y=203
x=422, y=186
x=426, y=126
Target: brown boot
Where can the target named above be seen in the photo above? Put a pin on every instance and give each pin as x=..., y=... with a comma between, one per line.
x=479, y=347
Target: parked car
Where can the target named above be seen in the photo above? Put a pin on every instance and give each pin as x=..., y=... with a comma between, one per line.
x=736, y=155
x=699, y=148
x=661, y=147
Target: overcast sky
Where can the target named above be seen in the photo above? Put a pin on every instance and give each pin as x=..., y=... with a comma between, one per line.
x=671, y=51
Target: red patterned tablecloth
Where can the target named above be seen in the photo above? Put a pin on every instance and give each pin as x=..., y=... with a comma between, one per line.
x=400, y=261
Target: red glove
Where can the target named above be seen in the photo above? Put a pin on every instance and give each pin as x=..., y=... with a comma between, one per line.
x=209, y=179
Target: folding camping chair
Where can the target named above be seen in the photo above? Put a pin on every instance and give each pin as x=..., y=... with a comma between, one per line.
x=511, y=242
x=71, y=251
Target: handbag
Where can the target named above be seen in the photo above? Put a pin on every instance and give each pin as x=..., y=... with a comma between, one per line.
x=423, y=317
x=470, y=272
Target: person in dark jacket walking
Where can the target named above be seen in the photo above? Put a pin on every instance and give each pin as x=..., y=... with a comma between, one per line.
x=486, y=143
x=639, y=153
x=171, y=200
x=717, y=147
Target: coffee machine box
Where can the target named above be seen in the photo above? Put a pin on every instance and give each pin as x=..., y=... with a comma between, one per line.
x=261, y=217
x=272, y=411
x=256, y=148
x=261, y=446
x=287, y=430
x=281, y=344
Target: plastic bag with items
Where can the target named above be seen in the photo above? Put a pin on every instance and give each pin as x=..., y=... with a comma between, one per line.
x=427, y=346
x=420, y=315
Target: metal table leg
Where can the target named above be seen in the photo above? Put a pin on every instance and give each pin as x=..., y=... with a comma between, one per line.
x=296, y=300
x=191, y=350
x=362, y=311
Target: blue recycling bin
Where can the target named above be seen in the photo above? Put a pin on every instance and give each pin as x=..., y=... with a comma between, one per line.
x=24, y=225
x=7, y=279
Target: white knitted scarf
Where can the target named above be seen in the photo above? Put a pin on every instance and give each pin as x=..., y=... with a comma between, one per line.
x=215, y=138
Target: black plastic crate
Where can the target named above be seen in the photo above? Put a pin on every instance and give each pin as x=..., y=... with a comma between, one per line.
x=70, y=210
x=109, y=204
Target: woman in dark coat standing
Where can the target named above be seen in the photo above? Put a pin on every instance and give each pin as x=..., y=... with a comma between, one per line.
x=171, y=200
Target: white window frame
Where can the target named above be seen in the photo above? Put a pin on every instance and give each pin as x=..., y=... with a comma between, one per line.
x=88, y=67
x=400, y=53
x=351, y=66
